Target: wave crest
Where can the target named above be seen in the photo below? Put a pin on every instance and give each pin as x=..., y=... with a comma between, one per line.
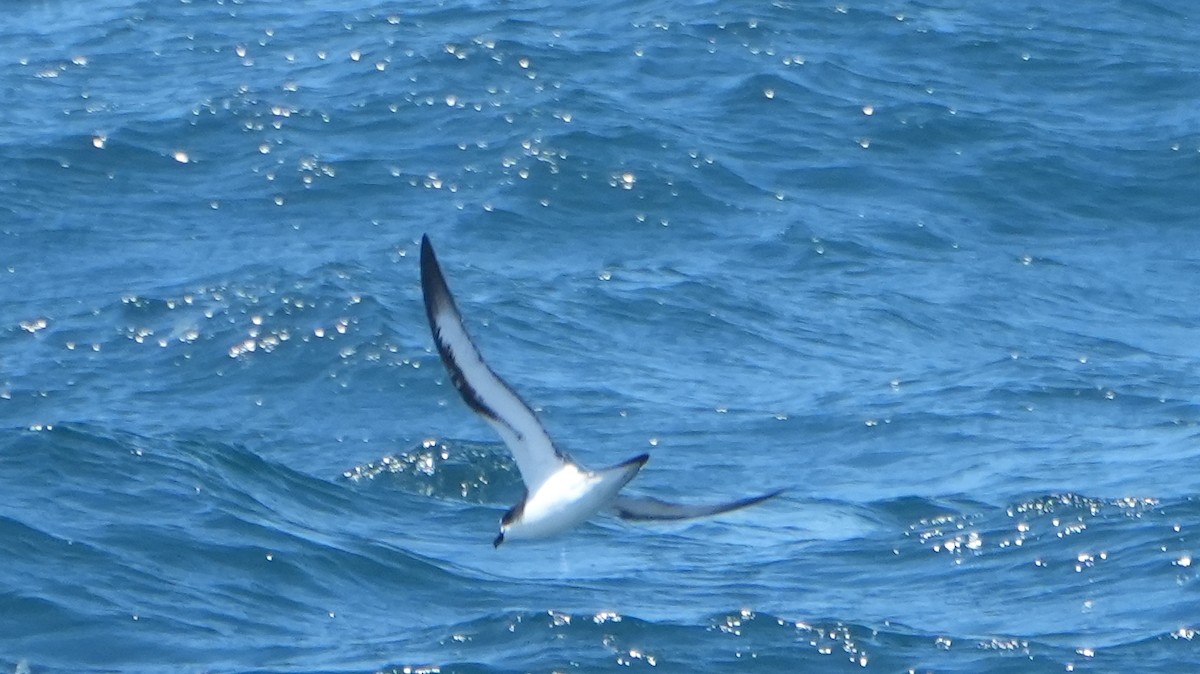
x=453, y=471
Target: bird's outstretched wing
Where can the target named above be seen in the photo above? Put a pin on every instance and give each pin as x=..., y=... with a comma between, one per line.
x=648, y=508
x=483, y=391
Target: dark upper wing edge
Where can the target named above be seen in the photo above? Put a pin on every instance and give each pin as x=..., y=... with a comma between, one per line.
x=523, y=422
x=437, y=296
x=649, y=509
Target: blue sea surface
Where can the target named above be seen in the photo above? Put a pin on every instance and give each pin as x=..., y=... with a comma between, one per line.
x=931, y=267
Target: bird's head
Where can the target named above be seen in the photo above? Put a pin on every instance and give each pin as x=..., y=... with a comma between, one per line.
x=514, y=513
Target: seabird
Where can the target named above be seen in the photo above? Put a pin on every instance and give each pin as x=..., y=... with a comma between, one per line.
x=559, y=493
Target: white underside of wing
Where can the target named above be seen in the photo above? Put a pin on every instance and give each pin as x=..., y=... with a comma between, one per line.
x=483, y=391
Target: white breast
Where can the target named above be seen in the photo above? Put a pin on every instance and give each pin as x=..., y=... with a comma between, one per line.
x=565, y=500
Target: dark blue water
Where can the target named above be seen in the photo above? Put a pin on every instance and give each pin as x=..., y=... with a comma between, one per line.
x=932, y=269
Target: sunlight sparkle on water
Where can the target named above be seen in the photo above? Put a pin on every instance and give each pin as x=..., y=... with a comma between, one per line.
x=34, y=325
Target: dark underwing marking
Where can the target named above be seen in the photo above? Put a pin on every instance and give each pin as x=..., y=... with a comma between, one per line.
x=439, y=300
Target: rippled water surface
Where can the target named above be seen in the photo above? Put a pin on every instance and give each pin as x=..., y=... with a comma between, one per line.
x=933, y=269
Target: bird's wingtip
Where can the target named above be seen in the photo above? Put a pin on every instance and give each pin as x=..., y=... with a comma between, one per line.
x=640, y=460
x=432, y=280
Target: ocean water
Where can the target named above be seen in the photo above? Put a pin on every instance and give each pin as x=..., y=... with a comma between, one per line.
x=931, y=267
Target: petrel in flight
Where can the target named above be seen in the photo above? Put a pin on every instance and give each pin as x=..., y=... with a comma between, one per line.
x=559, y=493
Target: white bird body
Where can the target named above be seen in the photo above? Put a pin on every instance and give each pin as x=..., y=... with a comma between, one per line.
x=559, y=493
x=567, y=499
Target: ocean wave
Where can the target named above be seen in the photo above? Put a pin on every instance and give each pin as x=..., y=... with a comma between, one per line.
x=752, y=641
x=455, y=470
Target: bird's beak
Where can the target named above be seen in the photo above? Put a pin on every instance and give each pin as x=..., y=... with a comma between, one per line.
x=499, y=539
